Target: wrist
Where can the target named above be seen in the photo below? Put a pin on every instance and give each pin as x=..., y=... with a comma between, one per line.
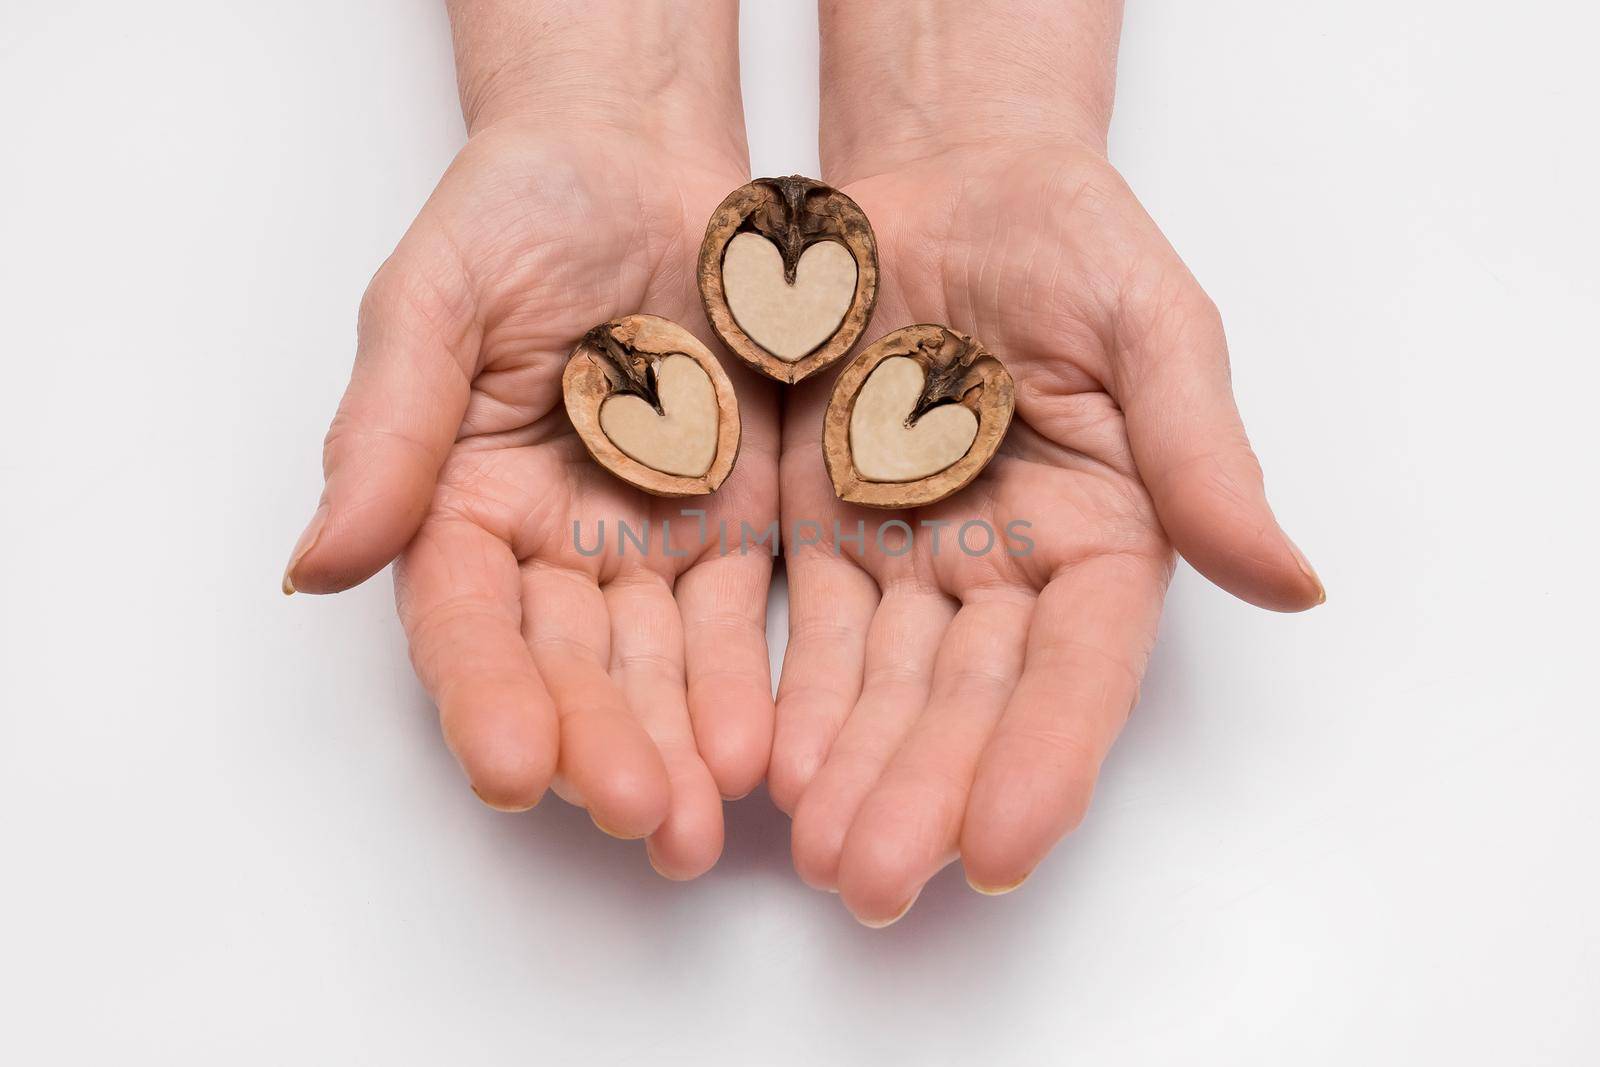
x=660, y=71
x=910, y=80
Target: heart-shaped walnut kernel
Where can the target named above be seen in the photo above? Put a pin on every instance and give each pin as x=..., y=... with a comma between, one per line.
x=886, y=446
x=788, y=275
x=915, y=417
x=788, y=320
x=681, y=438
x=653, y=406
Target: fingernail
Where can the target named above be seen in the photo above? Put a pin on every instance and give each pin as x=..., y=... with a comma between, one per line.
x=1306, y=569
x=508, y=809
x=879, y=924
x=613, y=833
x=998, y=890
x=308, y=540
x=654, y=866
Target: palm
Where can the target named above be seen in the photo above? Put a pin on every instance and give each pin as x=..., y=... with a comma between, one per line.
x=594, y=671
x=937, y=704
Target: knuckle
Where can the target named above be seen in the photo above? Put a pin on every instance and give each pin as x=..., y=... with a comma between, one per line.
x=980, y=682
x=1072, y=757
x=421, y=288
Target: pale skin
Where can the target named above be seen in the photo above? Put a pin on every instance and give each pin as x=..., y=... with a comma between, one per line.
x=637, y=687
x=932, y=707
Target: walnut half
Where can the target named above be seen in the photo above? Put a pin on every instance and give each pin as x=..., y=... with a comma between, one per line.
x=653, y=406
x=788, y=275
x=915, y=417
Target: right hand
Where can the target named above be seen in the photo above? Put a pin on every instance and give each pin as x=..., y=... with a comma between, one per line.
x=452, y=451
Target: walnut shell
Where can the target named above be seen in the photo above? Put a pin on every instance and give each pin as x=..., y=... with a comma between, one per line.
x=789, y=275
x=915, y=417
x=653, y=406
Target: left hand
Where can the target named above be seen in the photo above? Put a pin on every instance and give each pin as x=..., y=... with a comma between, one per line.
x=937, y=704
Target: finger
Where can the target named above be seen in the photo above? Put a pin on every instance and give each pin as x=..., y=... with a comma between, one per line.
x=1088, y=642
x=831, y=603
x=909, y=826
x=608, y=762
x=900, y=649
x=416, y=349
x=1191, y=448
x=723, y=602
x=458, y=593
x=647, y=662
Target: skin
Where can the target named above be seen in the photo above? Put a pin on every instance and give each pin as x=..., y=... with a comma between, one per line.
x=636, y=685
x=932, y=706
x=936, y=706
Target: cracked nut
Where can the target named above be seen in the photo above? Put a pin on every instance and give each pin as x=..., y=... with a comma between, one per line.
x=653, y=406
x=789, y=275
x=915, y=417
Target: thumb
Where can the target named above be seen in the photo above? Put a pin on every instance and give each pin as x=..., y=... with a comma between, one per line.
x=417, y=346
x=1192, y=452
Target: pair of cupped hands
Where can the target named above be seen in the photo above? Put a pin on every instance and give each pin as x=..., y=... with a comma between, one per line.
x=932, y=705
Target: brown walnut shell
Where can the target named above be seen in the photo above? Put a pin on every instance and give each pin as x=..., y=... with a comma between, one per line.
x=793, y=293
x=909, y=433
x=668, y=427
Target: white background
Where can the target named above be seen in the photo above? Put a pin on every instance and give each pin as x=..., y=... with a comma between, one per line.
x=228, y=828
